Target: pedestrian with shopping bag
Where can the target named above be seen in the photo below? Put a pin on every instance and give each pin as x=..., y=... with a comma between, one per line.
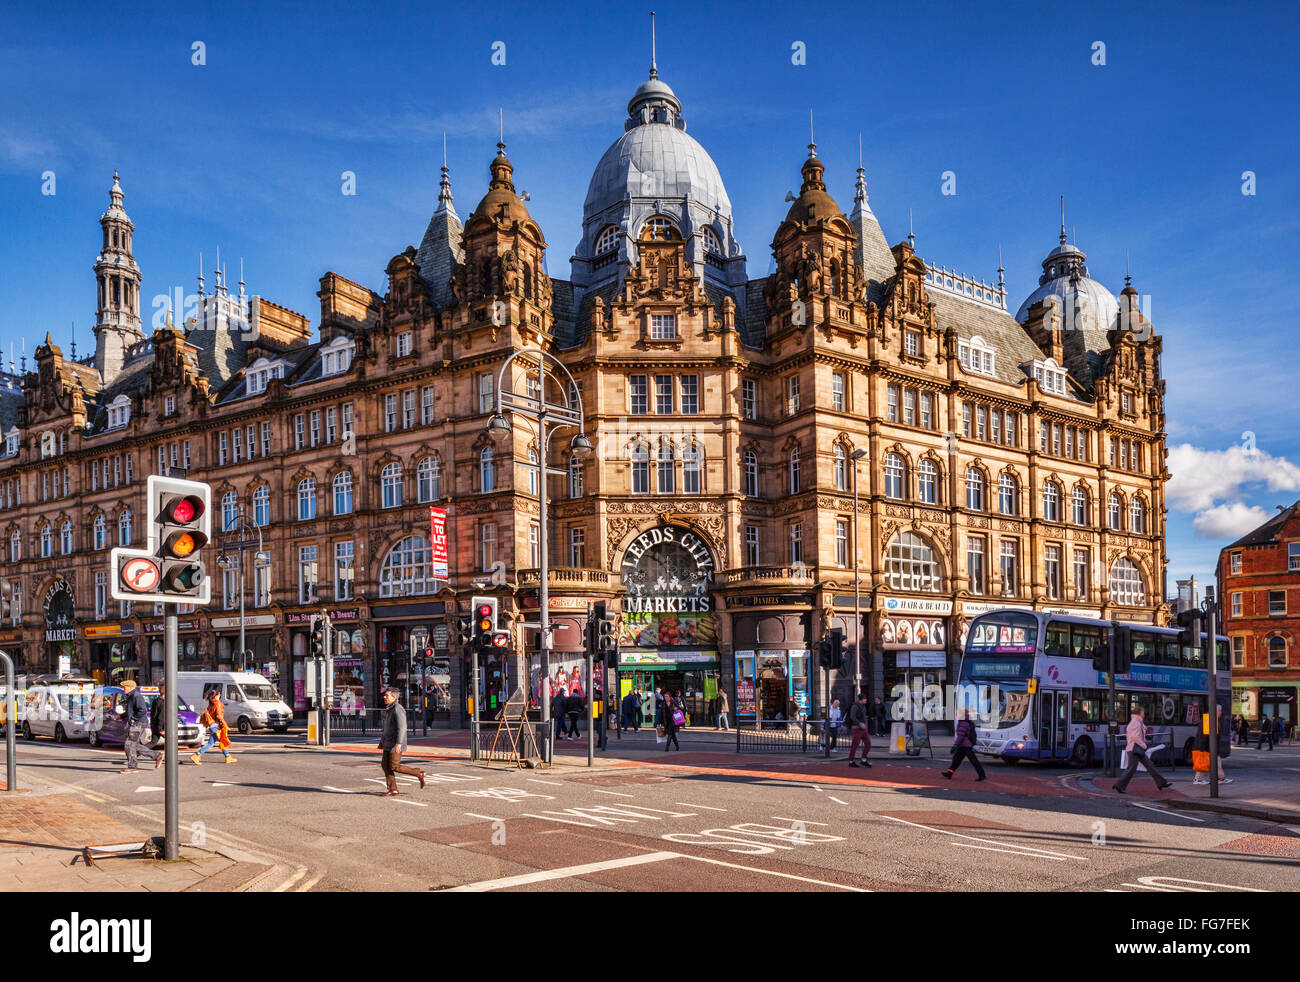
x=1201, y=758
x=1136, y=735
x=213, y=721
x=674, y=718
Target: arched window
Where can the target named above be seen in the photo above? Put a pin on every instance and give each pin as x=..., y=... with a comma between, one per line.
x=65, y=534
x=15, y=546
x=262, y=506
x=666, y=469
x=794, y=471
x=841, y=468
x=47, y=542
x=343, y=493
x=1126, y=586
x=692, y=470
x=1137, y=515
x=657, y=226
x=229, y=510
x=1276, y=652
x=100, y=532
x=607, y=241
x=894, y=475
x=1115, y=512
x=1080, y=506
x=428, y=480
x=1051, y=501
x=751, y=474
x=712, y=244
x=1008, y=494
x=124, y=528
x=910, y=565
x=486, y=470
x=974, y=489
x=390, y=485
x=532, y=472
x=406, y=570
x=306, y=499
x=640, y=470
x=927, y=482
x=575, y=476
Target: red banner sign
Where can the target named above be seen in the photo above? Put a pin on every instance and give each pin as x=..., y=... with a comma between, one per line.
x=438, y=540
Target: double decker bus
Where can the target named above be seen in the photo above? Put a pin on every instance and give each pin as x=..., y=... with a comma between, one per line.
x=1053, y=704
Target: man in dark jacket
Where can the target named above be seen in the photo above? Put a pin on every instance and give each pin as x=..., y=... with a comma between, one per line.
x=573, y=709
x=393, y=743
x=1265, y=732
x=880, y=717
x=557, y=712
x=136, y=711
x=156, y=714
x=963, y=746
x=627, y=719
x=858, y=732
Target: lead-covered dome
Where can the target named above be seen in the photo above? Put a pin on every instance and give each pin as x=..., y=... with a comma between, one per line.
x=1087, y=305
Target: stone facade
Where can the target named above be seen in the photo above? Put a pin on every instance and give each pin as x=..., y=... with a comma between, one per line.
x=727, y=413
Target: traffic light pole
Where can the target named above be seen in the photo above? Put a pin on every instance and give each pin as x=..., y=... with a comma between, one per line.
x=1212, y=706
x=170, y=741
x=1112, y=753
x=11, y=723
x=473, y=701
x=327, y=679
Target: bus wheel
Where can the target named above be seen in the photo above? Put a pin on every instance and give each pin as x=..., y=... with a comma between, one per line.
x=1081, y=756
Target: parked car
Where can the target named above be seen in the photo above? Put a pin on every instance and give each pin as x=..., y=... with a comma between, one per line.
x=110, y=725
x=251, y=701
x=60, y=709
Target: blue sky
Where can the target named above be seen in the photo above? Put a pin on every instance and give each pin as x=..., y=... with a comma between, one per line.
x=245, y=153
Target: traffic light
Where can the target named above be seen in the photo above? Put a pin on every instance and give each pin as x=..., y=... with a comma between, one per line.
x=6, y=602
x=317, y=636
x=605, y=640
x=465, y=632
x=1123, y=648
x=830, y=650
x=487, y=635
x=171, y=569
x=824, y=651
x=1189, y=635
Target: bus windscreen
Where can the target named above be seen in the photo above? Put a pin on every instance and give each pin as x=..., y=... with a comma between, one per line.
x=1003, y=633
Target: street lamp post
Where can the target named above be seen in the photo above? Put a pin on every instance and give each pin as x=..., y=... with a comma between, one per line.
x=549, y=416
x=242, y=527
x=857, y=584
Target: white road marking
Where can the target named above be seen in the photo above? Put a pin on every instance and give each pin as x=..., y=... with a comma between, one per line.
x=405, y=801
x=490, y=818
x=1165, y=811
x=710, y=808
x=837, y=800
x=1139, y=886
x=618, y=794
x=149, y=788
x=224, y=784
x=567, y=821
x=1169, y=883
x=375, y=780
x=1013, y=852
x=538, y=780
x=326, y=787
x=298, y=875
x=787, y=876
x=782, y=818
x=309, y=884
x=563, y=873
x=1022, y=850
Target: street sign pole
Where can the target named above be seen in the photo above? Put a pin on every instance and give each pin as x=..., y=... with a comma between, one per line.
x=591, y=710
x=171, y=744
x=1112, y=754
x=11, y=713
x=327, y=677
x=1212, y=705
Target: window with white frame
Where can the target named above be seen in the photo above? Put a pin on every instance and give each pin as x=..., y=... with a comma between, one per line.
x=261, y=586
x=223, y=447
x=343, y=557
x=1235, y=562
x=1277, y=603
x=912, y=343
x=15, y=546
x=663, y=327
x=1009, y=560
x=927, y=410
x=100, y=532
x=751, y=545
x=299, y=431
x=47, y=542
x=426, y=405
x=577, y=547
x=663, y=394
x=796, y=543
x=408, y=409
x=169, y=405
x=336, y=357
x=65, y=537
x=487, y=545
x=792, y=395
x=1080, y=506
x=793, y=468
x=1008, y=494
x=927, y=482
x=1236, y=605
x=909, y=407
x=407, y=570
x=314, y=430
x=1115, y=512
x=266, y=441
x=486, y=392
x=306, y=499
x=640, y=461
x=390, y=412
x=910, y=565
x=1082, y=564
x=486, y=470
x=534, y=546
x=974, y=489
x=895, y=476
x=1051, y=501
x=229, y=589
x=1050, y=376
x=692, y=470
x=306, y=574
x=390, y=485
x=840, y=468
x=575, y=476
x=975, y=355
x=749, y=474
x=229, y=510
x=690, y=385
x=404, y=344
x=842, y=543
x=11, y=443
x=1126, y=586
x=1277, y=652
x=666, y=470
x=1293, y=556
x=638, y=395
x=976, y=575
x=1052, y=571
x=1238, y=652
x=343, y=493
x=1137, y=516
x=607, y=241
x=712, y=244
x=124, y=528
x=837, y=391
x=748, y=398
x=101, y=596
x=119, y=412
x=428, y=480
x=262, y=506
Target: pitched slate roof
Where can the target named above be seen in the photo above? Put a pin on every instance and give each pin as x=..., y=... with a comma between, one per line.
x=1268, y=532
x=11, y=400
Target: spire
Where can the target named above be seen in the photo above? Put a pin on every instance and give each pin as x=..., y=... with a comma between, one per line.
x=74, y=340
x=444, y=184
x=860, y=191
x=241, y=276
x=116, y=191
x=201, y=290
x=812, y=140
x=654, y=69
x=1002, y=280
x=1128, y=271
x=911, y=236
x=1062, y=219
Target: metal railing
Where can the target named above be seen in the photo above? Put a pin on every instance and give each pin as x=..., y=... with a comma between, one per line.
x=780, y=736
x=371, y=721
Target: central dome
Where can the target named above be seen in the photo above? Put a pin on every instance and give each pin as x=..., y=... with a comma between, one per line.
x=656, y=160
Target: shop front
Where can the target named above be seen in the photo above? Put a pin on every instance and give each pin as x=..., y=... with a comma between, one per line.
x=259, y=639
x=1256, y=698
x=404, y=636
x=349, y=646
x=668, y=639
x=773, y=684
x=61, y=628
x=912, y=637
x=568, y=655
x=192, y=654
x=114, y=653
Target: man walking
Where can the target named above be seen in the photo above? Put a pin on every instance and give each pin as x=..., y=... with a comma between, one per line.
x=723, y=709
x=137, y=721
x=1136, y=734
x=557, y=712
x=1265, y=732
x=878, y=717
x=627, y=718
x=393, y=743
x=858, y=717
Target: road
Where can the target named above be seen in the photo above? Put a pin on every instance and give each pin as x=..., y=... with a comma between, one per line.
x=697, y=821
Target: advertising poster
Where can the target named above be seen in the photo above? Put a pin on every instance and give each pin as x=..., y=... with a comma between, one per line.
x=667, y=573
x=745, y=697
x=438, y=541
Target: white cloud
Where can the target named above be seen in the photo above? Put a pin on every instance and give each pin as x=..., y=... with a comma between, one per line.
x=1199, y=478
x=1229, y=521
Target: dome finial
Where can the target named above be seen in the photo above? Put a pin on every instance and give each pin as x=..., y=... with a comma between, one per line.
x=501, y=131
x=812, y=141
x=1128, y=272
x=911, y=238
x=1062, y=219
x=860, y=192
x=654, y=68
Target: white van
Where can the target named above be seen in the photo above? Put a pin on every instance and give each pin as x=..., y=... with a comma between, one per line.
x=63, y=710
x=251, y=701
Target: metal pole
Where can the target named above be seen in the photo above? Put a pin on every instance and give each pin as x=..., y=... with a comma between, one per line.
x=1112, y=757
x=242, y=666
x=543, y=593
x=11, y=712
x=1211, y=629
x=591, y=710
x=170, y=741
x=327, y=677
x=857, y=597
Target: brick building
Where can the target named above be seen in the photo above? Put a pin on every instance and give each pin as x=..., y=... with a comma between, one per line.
x=997, y=460
x=1259, y=581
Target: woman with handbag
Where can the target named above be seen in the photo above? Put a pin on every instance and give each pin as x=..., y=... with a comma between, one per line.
x=674, y=718
x=213, y=721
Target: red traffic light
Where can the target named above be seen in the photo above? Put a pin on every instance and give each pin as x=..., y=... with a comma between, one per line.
x=485, y=610
x=182, y=509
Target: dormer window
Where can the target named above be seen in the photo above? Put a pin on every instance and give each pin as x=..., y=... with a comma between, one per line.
x=663, y=326
x=658, y=227
x=11, y=443
x=608, y=240
x=260, y=373
x=404, y=343
x=1050, y=376
x=119, y=413
x=169, y=406
x=975, y=356
x=336, y=357
x=712, y=244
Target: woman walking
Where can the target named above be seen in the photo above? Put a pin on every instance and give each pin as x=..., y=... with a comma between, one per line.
x=834, y=720
x=214, y=720
x=963, y=745
x=674, y=717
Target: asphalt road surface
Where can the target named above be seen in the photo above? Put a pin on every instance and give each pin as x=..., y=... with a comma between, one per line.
x=696, y=821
